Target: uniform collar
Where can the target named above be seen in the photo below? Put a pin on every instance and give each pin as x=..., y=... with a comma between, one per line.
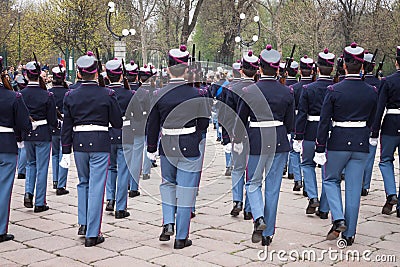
x=112, y=85
x=33, y=83
x=324, y=78
x=176, y=80
x=92, y=82
x=247, y=79
x=267, y=78
x=306, y=78
x=236, y=79
x=146, y=83
x=352, y=77
x=291, y=78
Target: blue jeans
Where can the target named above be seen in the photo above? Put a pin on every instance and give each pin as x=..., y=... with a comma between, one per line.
x=180, y=180
x=368, y=167
x=273, y=165
x=38, y=157
x=134, y=158
x=21, y=160
x=354, y=162
x=8, y=163
x=389, y=144
x=60, y=174
x=238, y=179
x=92, y=173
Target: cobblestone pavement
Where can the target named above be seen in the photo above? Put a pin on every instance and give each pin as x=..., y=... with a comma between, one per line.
x=50, y=238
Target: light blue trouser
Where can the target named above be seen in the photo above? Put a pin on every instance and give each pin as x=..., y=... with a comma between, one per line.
x=257, y=164
x=310, y=180
x=60, y=174
x=38, y=157
x=388, y=147
x=202, y=149
x=180, y=179
x=294, y=163
x=146, y=169
x=136, y=160
x=21, y=160
x=354, y=162
x=238, y=178
x=118, y=168
x=368, y=167
x=8, y=163
x=92, y=170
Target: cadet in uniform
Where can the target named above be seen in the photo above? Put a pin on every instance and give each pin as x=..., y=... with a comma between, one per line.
x=180, y=113
x=42, y=109
x=265, y=154
x=59, y=90
x=389, y=98
x=132, y=75
x=88, y=110
x=78, y=81
x=350, y=106
x=14, y=118
x=311, y=100
x=371, y=80
x=117, y=189
x=292, y=73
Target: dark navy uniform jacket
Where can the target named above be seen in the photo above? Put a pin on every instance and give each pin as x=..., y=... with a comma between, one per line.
x=291, y=80
x=372, y=80
x=41, y=106
x=76, y=85
x=134, y=86
x=86, y=105
x=123, y=97
x=389, y=97
x=253, y=104
x=139, y=109
x=177, y=105
x=13, y=114
x=310, y=103
x=349, y=100
x=59, y=92
x=297, y=89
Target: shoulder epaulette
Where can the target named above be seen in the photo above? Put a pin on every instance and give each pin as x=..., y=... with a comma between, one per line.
x=18, y=95
x=111, y=92
x=50, y=93
x=68, y=92
x=330, y=87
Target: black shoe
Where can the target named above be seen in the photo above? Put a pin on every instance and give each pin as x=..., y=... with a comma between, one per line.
x=390, y=201
x=304, y=192
x=82, y=230
x=192, y=215
x=21, y=176
x=312, y=205
x=62, y=191
x=182, y=243
x=41, y=208
x=266, y=240
x=364, y=192
x=285, y=170
x=342, y=176
x=93, y=241
x=120, y=214
x=337, y=227
x=146, y=176
x=349, y=240
x=6, y=237
x=134, y=193
x=297, y=185
x=259, y=227
x=55, y=184
x=153, y=164
x=290, y=176
x=398, y=212
x=167, y=232
x=218, y=139
x=28, y=200
x=237, y=208
x=215, y=126
x=247, y=216
x=321, y=214
x=110, y=205
x=228, y=171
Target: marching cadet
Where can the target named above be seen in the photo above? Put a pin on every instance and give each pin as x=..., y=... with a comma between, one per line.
x=132, y=75
x=14, y=119
x=180, y=113
x=117, y=189
x=294, y=172
x=350, y=106
x=21, y=163
x=59, y=90
x=138, y=112
x=310, y=103
x=248, y=69
x=42, y=109
x=88, y=110
x=371, y=80
x=389, y=98
x=266, y=153
x=78, y=81
x=292, y=73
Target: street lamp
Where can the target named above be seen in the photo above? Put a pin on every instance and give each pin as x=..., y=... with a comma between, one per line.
x=254, y=39
x=125, y=32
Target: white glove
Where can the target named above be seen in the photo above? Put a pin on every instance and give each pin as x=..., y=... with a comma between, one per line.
x=228, y=148
x=298, y=146
x=238, y=148
x=20, y=144
x=320, y=158
x=34, y=126
x=151, y=156
x=373, y=141
x=65, y=161
x=289, y=137
x=60, y=122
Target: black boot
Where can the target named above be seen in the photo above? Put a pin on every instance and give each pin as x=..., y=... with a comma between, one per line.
x=62, y=191
x=391, y=200
x=41, y=208
x=290, y=176
x=6, y=237
x=93, y=241
x=28, y=200
x=120, y=214
x=337, y=227
x=82, y=230
x=134, y=193
x=312, y=205
x=321, y=214
x=55, y=184
x=364, y=192
x=21, y=176
x=266, y=240
x=167, y=232
x=297, y=185
x=228, y=171
x=182, y=243
x=110, y=205
x=247, y=215
x=146, y=176
x=349, y=240
x=259, y=227
x=237, y=208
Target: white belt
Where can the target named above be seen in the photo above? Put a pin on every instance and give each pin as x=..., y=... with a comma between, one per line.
x=312, y=118
x=179, y=131
x=393, y=111
x=6, y=129
x=90, y=128
x=39, y=123
x=349, y=124
x=265, y=124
